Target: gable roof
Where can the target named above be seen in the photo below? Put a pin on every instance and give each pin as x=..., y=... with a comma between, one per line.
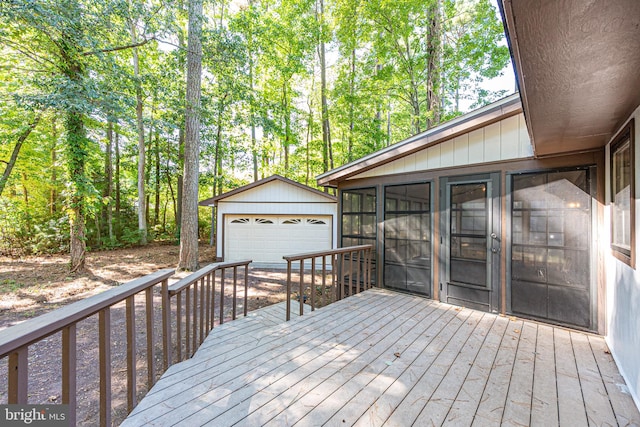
x=213, y=201
x=577, y=65
x=481, y=117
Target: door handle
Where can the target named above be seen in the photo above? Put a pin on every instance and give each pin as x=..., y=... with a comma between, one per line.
x=494, y=236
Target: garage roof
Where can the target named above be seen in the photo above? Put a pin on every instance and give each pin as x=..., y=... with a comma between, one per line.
x=213, y=201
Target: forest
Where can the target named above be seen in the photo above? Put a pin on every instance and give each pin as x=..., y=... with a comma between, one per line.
x=117, y=116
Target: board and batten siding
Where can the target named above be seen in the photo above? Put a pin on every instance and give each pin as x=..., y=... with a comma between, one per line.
x=506, y=139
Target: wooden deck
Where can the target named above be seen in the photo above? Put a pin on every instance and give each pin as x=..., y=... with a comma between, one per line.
x=385, y=358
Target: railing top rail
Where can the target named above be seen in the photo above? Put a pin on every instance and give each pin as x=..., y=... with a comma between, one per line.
x=199, y=274
x=35, y=329
x=305, y=255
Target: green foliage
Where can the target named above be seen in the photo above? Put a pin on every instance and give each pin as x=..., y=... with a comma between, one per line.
x=70, y=61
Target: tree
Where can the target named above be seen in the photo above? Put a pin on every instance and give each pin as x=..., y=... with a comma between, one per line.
x=189, y=225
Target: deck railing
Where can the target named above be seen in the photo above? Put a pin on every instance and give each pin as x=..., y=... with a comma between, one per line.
x=15, y=342
x=198, y=291
x=344, y=271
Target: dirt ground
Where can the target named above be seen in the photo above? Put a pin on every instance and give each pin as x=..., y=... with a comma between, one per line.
x=31, y=286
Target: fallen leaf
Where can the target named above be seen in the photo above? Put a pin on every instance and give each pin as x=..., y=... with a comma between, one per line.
x=607, y=352
x=396, y=354
x=517, y=331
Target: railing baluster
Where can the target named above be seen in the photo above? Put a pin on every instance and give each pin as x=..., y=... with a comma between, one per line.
x=334, y=278
x=288, y=290
x=301, y=279
x=194, y=332
x=151, y=364
x=69, y=358
x=246, y=288
x=213, y=299
x=324, y=280
x=343, y=290
x=187, y=324
x=313, y=284
x=222, y=296
x=208, y=304
x=130, y=314
x=235, y=283
x=358, y=272
x=104, y=339
x=202, y=299
x=179, y=325
x=18, y=376
x=166, y=324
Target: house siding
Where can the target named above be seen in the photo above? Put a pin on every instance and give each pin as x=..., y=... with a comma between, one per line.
x=623, y=292
x=506, y=139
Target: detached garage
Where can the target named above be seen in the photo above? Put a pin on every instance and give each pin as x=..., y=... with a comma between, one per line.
x=273, y=217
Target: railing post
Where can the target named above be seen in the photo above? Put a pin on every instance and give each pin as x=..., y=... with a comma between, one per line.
x=18, y=376
x=166, y=324
x=130, y=314
x=69, y=357
x=104, y=338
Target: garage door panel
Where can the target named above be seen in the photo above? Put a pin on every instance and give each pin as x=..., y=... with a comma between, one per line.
x=264, y=238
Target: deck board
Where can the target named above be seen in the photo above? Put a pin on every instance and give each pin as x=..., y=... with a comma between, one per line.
x=571, y=407
x=386, y=358
x=544, y=403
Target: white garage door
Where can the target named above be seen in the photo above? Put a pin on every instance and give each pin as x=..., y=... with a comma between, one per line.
x=266, y=238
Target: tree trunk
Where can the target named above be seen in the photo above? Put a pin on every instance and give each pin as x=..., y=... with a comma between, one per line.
x=157, y=179
x=53, y=193
x=76, y=157
x=252, y=118
x=326, y=129
x=25, y=194
x=287, y=126
x=16, y=150
x=117, y=179
x=142, y=220
x=189, y=228
x=433, y=64
x=108, y=173
x=180, y=166
x=352, y=89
